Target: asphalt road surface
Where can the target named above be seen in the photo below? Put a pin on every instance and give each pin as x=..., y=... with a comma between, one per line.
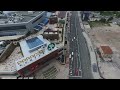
x=80, y=67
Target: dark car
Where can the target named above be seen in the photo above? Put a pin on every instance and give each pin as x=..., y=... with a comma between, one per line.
x=94, y=67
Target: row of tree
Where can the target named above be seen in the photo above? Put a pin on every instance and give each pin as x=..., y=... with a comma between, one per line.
x=103, y=20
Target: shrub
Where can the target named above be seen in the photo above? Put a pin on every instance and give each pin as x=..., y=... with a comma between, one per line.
x=103, y=20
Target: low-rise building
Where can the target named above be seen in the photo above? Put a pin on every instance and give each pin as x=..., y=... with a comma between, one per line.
x=106, y=52
x=53, y=19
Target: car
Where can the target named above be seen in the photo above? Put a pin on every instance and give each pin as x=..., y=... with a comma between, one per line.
x=76, y=71
x=74, y=37
x=70, y=56
x=72, y=53
x=72, y=59
x=71, y=72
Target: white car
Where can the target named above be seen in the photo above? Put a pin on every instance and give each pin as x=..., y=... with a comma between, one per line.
x=70, y=56
x=72, y=53
x=72, y=59
x=74, y=37
x=71, y=72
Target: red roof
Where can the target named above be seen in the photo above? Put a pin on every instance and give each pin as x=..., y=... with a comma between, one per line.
x=106, y=50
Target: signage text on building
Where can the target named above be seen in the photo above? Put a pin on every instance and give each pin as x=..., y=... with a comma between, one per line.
x=26, y=60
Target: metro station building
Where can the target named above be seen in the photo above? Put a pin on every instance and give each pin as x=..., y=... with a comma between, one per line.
x=20, y=22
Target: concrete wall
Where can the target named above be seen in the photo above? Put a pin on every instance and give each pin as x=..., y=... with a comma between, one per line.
x=7, y=52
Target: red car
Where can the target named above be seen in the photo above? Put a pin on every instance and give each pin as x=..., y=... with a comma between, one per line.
x=76, y=72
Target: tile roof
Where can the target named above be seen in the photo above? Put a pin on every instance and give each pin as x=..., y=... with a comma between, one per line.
x=106, y=50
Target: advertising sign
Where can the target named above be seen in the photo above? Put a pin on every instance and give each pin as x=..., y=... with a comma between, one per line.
x=51, y=46
x=28, y=60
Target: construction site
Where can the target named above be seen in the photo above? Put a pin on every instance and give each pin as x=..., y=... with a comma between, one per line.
x=107, y=36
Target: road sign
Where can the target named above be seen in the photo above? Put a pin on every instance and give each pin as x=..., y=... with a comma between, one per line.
x=51, y=46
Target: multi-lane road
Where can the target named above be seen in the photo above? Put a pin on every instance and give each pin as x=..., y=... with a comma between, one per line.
x=80, y=65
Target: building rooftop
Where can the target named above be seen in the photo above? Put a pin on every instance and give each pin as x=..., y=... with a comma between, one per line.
x=106, y=50
x=34, y=42
x=27, y=16
x=17, y=55
x=9, y=64
x=19, y=16
x=62, y=14
x=28, y=56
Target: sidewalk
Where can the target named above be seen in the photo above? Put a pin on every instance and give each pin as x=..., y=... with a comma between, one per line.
x=92, y=56
x=64, y=36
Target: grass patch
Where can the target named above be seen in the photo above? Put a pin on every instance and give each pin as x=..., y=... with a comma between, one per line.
x=97, y=24
x=107, y=13
x=19, y=52
x=110, y=13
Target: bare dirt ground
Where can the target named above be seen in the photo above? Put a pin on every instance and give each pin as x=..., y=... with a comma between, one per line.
x=108, y=35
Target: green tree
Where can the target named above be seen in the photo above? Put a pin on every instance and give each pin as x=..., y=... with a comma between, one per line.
x=118, y=15
x=62, y=21
x=103, y=20
x=109, y=19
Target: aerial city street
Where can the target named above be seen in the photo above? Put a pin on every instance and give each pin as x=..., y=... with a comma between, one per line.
x=59, y=45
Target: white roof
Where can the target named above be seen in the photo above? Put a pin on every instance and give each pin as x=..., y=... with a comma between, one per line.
x=7, y=12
